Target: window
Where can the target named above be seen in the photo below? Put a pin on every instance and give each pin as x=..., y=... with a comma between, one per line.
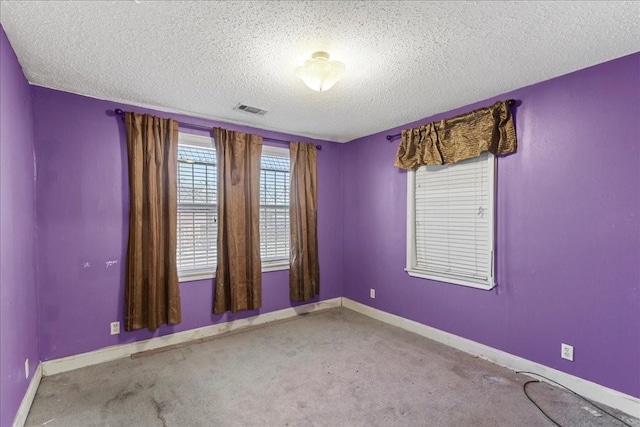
x=274, y=208
x=197, y=208
x=450, y=222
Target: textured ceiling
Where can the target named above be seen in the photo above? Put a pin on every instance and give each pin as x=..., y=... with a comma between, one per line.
x=405, y=60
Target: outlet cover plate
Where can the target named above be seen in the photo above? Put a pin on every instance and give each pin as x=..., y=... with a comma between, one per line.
x=26, y=368
x=372, y=293
x=115, y=328
x=566, y=352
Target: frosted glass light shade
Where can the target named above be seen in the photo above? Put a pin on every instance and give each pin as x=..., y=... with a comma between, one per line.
x=319, y=73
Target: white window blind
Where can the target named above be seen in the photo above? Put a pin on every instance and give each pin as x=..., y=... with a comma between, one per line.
x=274, y=206
x=451, y=217
x=197, y=207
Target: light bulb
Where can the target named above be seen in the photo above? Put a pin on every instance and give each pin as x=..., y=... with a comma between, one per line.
x=319, y=73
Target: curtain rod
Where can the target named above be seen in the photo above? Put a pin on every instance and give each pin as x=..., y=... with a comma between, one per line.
x=390, y=138
x=119, y=112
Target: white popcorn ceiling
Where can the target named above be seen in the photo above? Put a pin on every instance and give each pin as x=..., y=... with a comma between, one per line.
x=405, y=60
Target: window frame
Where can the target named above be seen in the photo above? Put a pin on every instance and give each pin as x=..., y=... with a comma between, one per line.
x=411, y=257
x=277, y=265
x=199, y=141
x=202, y=141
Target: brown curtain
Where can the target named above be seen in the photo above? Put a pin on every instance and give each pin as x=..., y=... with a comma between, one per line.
x=459, y=138
x=304, y=268
x=239, y=270
x=152, y=295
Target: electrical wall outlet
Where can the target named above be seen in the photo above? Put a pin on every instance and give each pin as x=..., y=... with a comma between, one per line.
x=26, y=368
x=372, y=293
x=566, y=352
x=115, y=328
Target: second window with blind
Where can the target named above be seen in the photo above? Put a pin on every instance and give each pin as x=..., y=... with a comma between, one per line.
x=450, y=222
x=197, y=208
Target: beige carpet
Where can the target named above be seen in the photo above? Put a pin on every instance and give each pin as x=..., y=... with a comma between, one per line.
x=333, y=368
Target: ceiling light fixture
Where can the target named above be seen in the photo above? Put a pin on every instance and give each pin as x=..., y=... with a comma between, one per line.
x=319, y=73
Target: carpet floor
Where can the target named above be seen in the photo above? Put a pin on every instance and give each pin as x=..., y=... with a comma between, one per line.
x=331, y=368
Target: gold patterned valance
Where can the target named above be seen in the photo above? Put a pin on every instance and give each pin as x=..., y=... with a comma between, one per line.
x=459, y=138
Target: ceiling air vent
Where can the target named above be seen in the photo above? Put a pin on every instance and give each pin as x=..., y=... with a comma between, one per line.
x=250, y=109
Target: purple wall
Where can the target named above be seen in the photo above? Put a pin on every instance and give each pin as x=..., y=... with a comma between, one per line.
x=568, y=234
x=18, y=299
x=82, y=216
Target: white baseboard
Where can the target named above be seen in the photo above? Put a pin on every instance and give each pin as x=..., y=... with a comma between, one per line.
x=588, y=389
x=27, y=400
x=107, y=354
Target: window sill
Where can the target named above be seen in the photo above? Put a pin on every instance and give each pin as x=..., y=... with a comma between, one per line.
x=487, y=286
x=204, y=276
x=196, y=276
x=266, y=267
